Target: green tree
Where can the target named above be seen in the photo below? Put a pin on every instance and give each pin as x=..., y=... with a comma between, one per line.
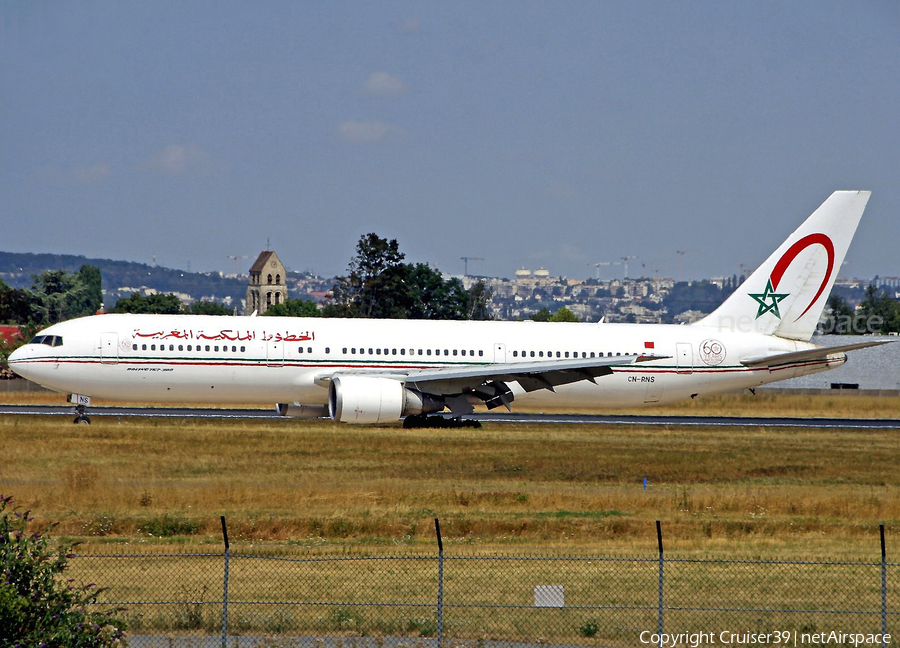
x=379, y=284
x=294, y=308
x=167, y=304
x=839, y=316
x=91, y=288
x=878, y=313
x=37, y=606
x=477, y=299
x=57, y=295
x=564, y=315
x=16, y=306
x=202, y=307
x=542, y=315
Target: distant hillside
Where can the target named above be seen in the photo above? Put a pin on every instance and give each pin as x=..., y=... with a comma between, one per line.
x=121, y=278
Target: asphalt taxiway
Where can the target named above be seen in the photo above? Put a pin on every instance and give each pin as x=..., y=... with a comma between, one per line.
x=489, y=417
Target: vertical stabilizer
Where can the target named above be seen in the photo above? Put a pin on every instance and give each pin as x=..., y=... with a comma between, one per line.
x=786, y=294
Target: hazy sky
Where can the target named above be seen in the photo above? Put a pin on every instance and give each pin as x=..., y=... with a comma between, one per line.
x=552, y=134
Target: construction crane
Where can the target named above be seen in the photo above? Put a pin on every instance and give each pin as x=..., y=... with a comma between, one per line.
x=625, y=263
x=681, y=253
x=235, y=257
x=603, y=263
x=466, y=260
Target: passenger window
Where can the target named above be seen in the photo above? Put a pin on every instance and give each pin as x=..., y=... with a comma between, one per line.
x=515, y=354
x=377, y=351
x=153, y=347
x=454, y=351
x=234, y=349
x=216, y=348
x=134, y=347
x=242, y=349
x=532, y=354
x=393, y=351
x=446, y=352
x=480, y=352
x=557, y=354
x=207, y=347
x=428, y=351
x=181, y=347
x=344, y=350
x=402, y=351
x=171, y=347
x=567, y=354
x=371, y=351
x=592, y=354
x=309, y=349
x=327, y=350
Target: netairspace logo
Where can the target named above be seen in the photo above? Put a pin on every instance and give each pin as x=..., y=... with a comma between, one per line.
x=783, y=638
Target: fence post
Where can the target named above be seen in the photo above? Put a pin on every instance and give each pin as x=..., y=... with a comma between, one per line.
x=883, y=589
x=440, y=599
x=659, y=625
x=225, y=591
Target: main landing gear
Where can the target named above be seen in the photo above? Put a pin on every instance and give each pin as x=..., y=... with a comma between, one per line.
x=424, y=421
x=81, y=403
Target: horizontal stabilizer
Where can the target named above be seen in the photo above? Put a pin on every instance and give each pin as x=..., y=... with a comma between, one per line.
x=810, y=354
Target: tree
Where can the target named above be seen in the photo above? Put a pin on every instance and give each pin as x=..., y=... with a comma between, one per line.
x=91, y=288
x=202, y=307
x=373, y=282
x=167, y=304
x=37, y=606
x=878, y=313
x=562, y=315
x=839, y=316
x=57, y=295
x=294, y=308
x=378, y=284
x=477, y=299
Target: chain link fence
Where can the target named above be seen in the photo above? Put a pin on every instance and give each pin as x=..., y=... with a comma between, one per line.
x=328, y=600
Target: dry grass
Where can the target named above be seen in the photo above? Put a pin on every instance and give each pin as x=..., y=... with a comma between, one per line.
x=576, y=489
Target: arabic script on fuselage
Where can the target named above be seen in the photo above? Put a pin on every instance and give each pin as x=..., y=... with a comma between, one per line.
x=225, y=335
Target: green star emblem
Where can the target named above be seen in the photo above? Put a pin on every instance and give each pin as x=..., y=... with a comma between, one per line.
x=768, y=301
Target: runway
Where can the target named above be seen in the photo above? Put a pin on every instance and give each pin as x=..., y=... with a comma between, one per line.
x=490, y=417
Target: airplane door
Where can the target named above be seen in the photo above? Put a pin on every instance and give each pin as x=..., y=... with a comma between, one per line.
x=499, y=352
x=109, y=348
x=684, y=358
x=274, y=353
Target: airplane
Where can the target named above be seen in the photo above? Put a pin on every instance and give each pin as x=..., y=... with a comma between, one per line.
x=366, y=371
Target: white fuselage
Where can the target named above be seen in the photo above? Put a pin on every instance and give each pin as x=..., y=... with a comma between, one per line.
x=210, y=359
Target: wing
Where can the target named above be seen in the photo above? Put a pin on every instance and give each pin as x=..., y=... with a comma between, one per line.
x=810, y=354
x=488, y=382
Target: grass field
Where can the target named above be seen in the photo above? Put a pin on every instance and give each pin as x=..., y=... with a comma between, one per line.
x=575, y=489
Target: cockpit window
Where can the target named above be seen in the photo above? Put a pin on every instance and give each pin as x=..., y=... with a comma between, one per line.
x=49, y=340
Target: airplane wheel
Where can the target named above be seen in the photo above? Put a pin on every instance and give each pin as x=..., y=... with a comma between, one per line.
x=82, y=420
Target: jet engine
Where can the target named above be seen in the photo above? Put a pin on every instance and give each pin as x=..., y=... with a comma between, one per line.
x=298, y=410
x=364, y=399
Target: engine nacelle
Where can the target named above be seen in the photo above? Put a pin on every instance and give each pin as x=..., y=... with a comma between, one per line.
x=297, y=410
x=364, y=399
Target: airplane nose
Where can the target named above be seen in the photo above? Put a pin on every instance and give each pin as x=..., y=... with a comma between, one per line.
x=15, y=360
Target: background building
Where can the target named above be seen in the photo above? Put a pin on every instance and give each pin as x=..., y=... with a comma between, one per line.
x=267, y=283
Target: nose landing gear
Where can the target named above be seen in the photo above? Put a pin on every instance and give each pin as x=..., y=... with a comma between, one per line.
x=80, y=402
